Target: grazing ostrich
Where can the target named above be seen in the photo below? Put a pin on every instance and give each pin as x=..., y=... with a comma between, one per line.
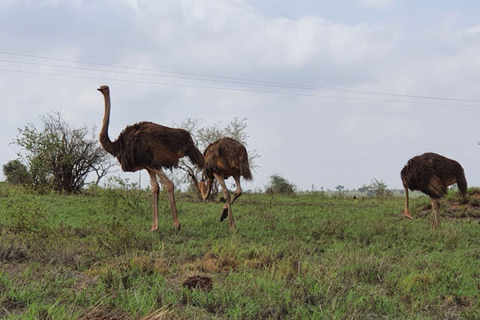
x=150, y=146
x=431, y=174
x=224, y=158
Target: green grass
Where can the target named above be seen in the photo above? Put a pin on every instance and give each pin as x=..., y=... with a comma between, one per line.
x=295, y=257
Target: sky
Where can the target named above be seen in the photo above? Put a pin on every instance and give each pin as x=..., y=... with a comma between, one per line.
x=334, y=92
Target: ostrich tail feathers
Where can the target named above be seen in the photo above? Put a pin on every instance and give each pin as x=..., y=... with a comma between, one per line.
x=195, y=156
x=462, y=183
x=245, y=170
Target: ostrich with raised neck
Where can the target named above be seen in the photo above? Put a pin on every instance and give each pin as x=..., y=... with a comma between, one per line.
x=150, y=146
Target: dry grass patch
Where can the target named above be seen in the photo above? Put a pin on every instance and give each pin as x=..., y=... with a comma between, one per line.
x=104, y=312
x=212, y=263
x=142, y=263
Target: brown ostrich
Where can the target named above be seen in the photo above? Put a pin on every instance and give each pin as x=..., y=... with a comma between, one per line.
x=150, y=146
x=225, y=158
x=431, y=174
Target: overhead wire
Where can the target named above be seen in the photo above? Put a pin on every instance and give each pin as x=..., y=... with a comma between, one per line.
x=149, y=72
x=242, y=90
x=223, y=79
x=387, y=157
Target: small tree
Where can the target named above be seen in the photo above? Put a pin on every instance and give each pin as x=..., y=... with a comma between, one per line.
x=203, y=136
x=378, y=188
x=280, y=185
x=59, y=156
x=16, y=172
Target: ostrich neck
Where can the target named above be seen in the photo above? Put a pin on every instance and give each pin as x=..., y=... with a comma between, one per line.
x=105, y=141
x=206, y=194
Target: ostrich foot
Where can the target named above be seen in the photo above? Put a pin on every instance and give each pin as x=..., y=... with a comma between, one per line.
x=407, y=215
x=224, y=214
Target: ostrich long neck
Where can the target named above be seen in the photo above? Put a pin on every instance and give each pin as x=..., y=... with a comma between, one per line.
x=206, y=193
x=105, y=141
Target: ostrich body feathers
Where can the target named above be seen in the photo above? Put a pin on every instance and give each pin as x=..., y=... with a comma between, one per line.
x=432, y=173
x=147, y=144
x=227, y=156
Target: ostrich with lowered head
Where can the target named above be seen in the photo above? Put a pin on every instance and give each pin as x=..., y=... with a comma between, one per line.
x=150, y=146
x=225, y=158
x=431, y=174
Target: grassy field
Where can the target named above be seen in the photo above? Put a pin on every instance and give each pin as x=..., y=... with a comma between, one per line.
x=297, y=257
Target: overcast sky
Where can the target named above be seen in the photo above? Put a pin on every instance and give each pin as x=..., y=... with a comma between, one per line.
x=347, y=90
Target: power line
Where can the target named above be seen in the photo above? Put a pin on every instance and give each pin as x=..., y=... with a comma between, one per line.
x=242, y=90
x=386, y=157
x=222, y=79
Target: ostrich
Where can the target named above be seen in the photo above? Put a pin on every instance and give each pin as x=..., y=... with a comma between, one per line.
x=224, y=158
x=431, y=174
x=150, y=146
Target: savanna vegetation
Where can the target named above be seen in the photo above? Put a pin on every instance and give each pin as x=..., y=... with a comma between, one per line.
x=56, y=156
x=298, y=256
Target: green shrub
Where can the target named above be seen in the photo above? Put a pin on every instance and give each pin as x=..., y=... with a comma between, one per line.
x=280, y=185
x=16, y=172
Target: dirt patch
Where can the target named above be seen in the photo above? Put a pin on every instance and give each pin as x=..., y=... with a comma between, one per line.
x=469, y=207
x=198, y=282
x=11, y=306
x=12, y=252
x=453, y=305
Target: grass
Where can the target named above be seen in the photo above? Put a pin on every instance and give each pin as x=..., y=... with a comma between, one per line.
x=291, y=257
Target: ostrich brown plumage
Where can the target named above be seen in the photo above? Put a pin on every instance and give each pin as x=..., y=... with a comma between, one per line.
x=225, y=158
x=431, y=174
x=150, y=146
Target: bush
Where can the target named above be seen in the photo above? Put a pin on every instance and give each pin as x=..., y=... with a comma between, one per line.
x=280, y=185
x=16, y=172
x=57, y=156
x=377, y=188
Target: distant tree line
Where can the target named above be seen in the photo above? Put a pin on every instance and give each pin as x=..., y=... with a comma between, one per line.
x=57, y=156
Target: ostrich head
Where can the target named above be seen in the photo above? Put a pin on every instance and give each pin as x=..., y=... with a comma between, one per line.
x=205, y=185
x=202, y=187
x=104, y=89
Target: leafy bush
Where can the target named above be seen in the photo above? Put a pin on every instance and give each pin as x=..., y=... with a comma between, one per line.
x=377, y=188
x=280, y=185
x=16, y=172
x=57, y=156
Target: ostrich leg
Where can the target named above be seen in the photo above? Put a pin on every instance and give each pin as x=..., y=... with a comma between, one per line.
x=168, y=184
x=155, y=191
x=237, y=195
x=406, y=213
x=436, y=213
x=226, y=194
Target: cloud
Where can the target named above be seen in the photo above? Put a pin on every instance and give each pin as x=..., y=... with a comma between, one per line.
x=472, y=31
x=301, y=133
x=377, y=4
